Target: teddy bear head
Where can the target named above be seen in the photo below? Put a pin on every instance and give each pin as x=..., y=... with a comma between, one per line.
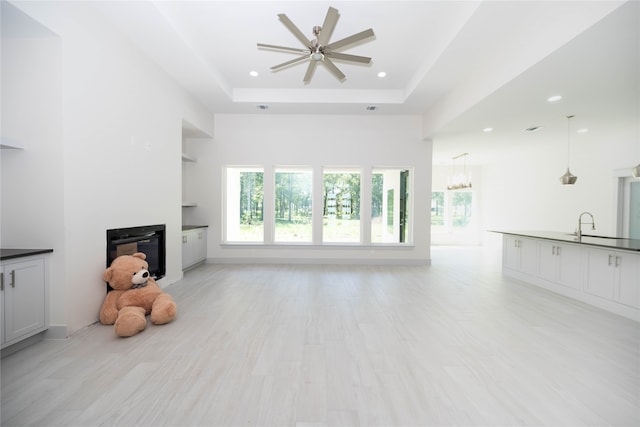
x=127, y=272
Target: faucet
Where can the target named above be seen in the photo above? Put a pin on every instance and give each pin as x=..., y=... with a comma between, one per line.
x=579, y=230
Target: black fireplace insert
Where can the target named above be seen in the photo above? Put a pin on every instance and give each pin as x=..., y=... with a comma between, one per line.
x=149, y=239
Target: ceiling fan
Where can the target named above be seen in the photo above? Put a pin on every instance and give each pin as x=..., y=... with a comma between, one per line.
x=319, y=49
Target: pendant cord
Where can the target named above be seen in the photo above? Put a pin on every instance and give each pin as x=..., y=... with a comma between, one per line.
x=568, y=138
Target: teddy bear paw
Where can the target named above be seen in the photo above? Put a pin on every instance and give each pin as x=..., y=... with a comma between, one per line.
x=130, y=321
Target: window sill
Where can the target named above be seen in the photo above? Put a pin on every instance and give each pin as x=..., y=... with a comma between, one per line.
x=356, y=246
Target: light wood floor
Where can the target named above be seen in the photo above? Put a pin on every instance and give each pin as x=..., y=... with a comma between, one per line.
x=454, y=343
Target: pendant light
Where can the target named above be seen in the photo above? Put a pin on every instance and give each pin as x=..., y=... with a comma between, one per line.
x=459, y=181
x=568, y=178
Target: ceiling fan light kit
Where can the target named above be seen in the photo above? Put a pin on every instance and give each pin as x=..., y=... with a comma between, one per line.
x=319, y=49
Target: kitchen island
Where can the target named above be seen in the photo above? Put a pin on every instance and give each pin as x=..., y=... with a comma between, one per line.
x=601, y=271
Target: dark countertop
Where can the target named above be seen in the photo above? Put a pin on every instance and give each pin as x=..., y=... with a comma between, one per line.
x=587, y=239
x=193, y=227
x=20, y=253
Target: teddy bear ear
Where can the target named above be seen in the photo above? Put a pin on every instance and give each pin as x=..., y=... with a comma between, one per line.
x=106, y=276
x=139, y=255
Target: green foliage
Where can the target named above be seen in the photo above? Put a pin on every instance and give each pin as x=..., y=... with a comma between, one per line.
x=344, y=186
x=293, y=196
x=251, y=196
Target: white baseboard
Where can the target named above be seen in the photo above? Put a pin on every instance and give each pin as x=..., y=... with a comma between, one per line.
x=324, y=261
x=56, y=332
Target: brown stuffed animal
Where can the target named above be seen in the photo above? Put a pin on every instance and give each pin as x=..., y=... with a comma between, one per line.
x=135, y=294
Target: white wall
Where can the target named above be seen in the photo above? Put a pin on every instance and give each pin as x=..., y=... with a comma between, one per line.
x=121, y=151
x=523, y=192
x=302, y=140
x=32, y=179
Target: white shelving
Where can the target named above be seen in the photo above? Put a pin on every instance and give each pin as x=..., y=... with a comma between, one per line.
x=9, y=143
x=188, y=159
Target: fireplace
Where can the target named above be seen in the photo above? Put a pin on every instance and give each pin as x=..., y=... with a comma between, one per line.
x=149, y=239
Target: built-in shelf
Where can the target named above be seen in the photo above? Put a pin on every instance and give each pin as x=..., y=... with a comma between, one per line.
x=188, y=158
x=189, y=204
x=9, y=143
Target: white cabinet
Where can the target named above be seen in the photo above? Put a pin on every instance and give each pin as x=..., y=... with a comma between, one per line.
x=519, y=254
x=560, y=263
x=600, y=274
x=194, y=247
x=613, y=275
x=24, y=298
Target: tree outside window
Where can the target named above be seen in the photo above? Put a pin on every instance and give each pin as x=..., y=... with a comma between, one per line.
x=341, y=206
x=451, y=211
x=293, y=203
x=245, y=205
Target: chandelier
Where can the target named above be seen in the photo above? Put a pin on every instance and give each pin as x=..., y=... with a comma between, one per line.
x=461, y=180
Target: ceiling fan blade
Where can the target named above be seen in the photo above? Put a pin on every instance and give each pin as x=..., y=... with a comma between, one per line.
x=288, y=49
x=294, y=30
x=310, y=70
x=346, y=57
x=288, y=63
x=334, y=70
x=351, y=39
x=329, y=24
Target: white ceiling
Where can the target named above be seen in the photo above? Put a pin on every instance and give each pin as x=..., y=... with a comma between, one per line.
x=462, y=65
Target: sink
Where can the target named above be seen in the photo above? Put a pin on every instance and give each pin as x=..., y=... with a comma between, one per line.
x=594, y=235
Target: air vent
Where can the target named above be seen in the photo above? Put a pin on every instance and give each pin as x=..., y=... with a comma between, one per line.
x=262, y=107
x=533, y=129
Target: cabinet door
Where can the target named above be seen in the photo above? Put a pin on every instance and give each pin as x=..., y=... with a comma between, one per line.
x=2, y=310
x=187, y=248
x=547, y=261
x=528, y=256
x=628, y=277
x=200, y=245
x=600, y=273
x=569, y=265
x=511, y=252
x=24, y=298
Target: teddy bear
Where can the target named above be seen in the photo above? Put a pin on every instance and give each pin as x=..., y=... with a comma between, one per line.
x=135, y=294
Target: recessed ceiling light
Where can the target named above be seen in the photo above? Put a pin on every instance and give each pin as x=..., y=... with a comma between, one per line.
x=253, y=73
x=382, y=74
x=583, y=130
x=554, y=98
x=487, y=129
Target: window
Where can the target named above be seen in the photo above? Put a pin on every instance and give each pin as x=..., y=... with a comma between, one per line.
x=297, y=205
x=437, y=211
x=244, y=210
x=293, y=213
x=451, y=216
x=389, y=205
x=461, y=209
x=341, y=207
